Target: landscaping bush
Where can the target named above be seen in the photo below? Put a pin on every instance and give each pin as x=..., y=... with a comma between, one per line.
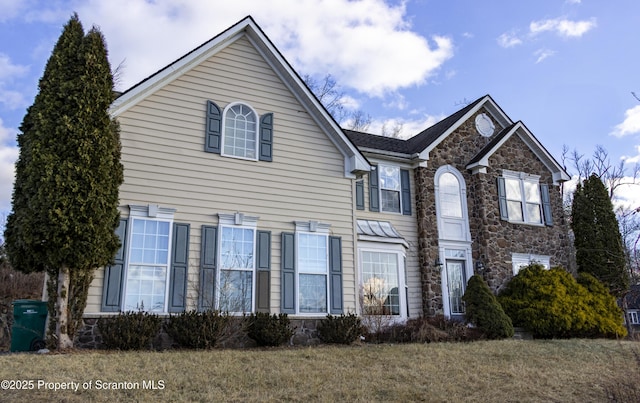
x=484, y=311
x=343, y=329
x=269, y=330
x=129, y=330
x=193, y=329
x=552, y=304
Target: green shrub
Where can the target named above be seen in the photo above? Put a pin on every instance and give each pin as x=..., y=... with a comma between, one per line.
x=269, y=330
x=484, y=311
x=552, y=304
x=193, y=329
x=129, y=330
x=343, y=329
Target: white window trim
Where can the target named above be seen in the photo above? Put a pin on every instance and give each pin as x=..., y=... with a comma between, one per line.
x=224, y=132
x=380, y=189
x=525, y=259
x=400, y=251
x=236, y=220
x=633, y=316
x=311, y=228
x=150, y=212
x=524, y=177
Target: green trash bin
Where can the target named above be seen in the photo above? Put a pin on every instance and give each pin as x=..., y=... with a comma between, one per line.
x=29, y=320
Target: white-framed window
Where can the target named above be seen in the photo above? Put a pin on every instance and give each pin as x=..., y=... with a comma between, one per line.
x=383, y=285
x=390, y=188
x=240, y=131
x=146, y=284
x=633, y=317
x=313, y=270
x=237, y=262
x=520, y=260
x=524, y=202
x=449, y=195
x=237, y=269
x=451, y=204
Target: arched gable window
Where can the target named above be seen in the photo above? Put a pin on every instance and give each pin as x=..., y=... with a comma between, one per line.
x=240, y=128
x=451, y=204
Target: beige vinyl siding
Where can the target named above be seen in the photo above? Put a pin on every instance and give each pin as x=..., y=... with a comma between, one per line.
x=165, y=163
x=407, y=226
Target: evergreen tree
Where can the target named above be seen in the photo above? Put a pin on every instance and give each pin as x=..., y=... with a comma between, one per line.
x=68, y=173
x=597, y=240
x=484, y=310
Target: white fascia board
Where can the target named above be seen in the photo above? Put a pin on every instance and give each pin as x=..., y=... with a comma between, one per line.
x=355, y=162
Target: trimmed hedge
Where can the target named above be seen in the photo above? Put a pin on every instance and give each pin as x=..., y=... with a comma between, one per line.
x=343, y=329
x=553, y=304
x=129, y=330
x=269, y=330
x=199, y=330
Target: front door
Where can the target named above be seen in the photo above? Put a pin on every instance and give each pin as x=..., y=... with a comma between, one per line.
x=456, y=283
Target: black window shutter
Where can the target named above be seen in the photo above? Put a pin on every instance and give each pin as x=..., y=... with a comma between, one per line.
x=213, y=134
x=405, y=187
x=179, y=268
x=335, y=271
x=502, y=199
x=374, y=195
x=266, y=137
x=206, y=299
x=263, y=271
x=114, y=274
x=360, y=194
x=288, y=270
x=546, y=205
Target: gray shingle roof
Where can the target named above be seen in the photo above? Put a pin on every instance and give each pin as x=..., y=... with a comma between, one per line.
x=413, y=145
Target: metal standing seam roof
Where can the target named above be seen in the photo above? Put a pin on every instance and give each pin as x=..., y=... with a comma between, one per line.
x=382, y=229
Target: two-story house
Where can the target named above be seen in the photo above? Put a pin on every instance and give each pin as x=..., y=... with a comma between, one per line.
x=241, y=193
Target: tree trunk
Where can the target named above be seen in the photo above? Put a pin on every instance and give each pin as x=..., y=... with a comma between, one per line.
x=64, y=278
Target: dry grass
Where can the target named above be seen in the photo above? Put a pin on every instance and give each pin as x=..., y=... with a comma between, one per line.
x=487, y=371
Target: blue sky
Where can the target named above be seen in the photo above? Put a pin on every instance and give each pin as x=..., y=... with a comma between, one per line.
x=566, y=68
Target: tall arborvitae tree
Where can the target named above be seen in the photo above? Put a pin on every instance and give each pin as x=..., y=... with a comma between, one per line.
x=65, y=199
x=597, y=240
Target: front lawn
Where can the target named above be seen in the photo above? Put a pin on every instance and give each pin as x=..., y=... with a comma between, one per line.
x=494, y=371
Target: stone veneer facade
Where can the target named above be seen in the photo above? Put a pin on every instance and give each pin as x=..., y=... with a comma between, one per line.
x=493, y=239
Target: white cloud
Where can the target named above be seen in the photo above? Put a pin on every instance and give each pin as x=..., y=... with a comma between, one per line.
x=367, y=45
x=632, y=159
x=509, y=40
x=8, y=73
x=10, y=9
x=9, y=70
x=408, y=128
x=8, y=157
x=563, y=27
x=631, y=123
x=573, y=1
x=628, y=195
x=542, y=54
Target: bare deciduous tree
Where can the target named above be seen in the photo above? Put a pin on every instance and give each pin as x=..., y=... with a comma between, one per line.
x=333, y=98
